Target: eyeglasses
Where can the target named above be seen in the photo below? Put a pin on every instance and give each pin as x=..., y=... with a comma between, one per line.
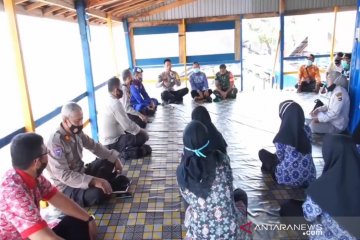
x=45, y=153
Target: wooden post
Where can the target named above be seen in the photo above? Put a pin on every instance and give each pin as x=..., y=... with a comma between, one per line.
x=9, y=7
x=182, y=47
x=336, y=9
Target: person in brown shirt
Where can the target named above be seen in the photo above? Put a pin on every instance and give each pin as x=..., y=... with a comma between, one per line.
x=309, y=76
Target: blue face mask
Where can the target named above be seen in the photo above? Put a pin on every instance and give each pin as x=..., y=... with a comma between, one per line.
x=196, y=70
x=345, y=65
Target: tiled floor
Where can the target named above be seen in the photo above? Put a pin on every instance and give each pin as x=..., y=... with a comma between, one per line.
x=248, y=124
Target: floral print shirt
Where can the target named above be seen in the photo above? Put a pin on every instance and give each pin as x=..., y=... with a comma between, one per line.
x=215, y=217
x=329, y=229
x=295, y=169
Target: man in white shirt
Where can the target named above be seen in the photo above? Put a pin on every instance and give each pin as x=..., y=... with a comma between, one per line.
x=333, y=117
x=139, y=118
x=117, y=131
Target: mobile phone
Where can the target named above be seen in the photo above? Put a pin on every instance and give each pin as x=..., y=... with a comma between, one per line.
x=123, y=189
x=124, y=195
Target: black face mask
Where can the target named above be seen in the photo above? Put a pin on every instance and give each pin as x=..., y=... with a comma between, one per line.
x=75, y=129
x=40, y=170
x=119, y=93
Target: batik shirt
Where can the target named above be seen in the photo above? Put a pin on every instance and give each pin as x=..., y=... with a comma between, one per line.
x=19, y=209
x=295, y=169
x=215, y=217
x=224, y=80
x=326, y=227
x=199, y=82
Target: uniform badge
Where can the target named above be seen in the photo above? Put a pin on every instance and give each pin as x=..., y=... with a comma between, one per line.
x=58, y=151
x=339, y=96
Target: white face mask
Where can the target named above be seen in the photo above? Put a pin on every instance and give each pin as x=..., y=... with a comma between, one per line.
x=196, y=70
x=308, y=62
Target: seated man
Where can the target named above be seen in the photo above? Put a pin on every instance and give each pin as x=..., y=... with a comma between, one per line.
x=168, y=79
x=345, y=63
x=336, y=65
x=224, y=82
x=334, y=117
x=87, y=185
x=22, y=188
x=117, y=131
x=140, y=100
x=309, y=76
x=199, y=85
x=134, y=115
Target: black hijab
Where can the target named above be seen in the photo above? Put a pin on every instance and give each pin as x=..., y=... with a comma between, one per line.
x=336, y=191
x=356, y=134
x=291, y=130
x=217, y=141
x=196, y=173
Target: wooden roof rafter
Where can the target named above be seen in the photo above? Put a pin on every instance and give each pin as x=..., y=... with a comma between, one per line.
x=166, y=7
x=133, y=5
x=49, y=10
x=35, y=5
x=135, y=10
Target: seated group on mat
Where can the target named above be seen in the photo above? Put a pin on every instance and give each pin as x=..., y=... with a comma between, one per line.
x=216, y=210
x=331, y=202
x=200, y=92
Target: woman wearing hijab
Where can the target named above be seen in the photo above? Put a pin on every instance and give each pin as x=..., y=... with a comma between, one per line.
x=292, y=164
x=217, y=141
x=333, y=199
x=205, y=181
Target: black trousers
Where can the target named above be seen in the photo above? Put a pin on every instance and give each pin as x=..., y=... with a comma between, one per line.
x=174, y=96
x=137, y=120
x=240, y=195
x=230, y=95
x=92, y=196
x=269, y=162
x=132, y=146
x=307, y=87
x=194, y=93
x=72, y=229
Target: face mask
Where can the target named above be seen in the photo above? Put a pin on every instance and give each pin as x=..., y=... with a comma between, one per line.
x=308, y=63
x=345, y=64
x=119, y=93
x=75, y=129
x=196, y=70
x=40, y=169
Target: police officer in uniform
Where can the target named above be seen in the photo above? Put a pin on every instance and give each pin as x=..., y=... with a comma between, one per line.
x=87, y=185
x=334, y=117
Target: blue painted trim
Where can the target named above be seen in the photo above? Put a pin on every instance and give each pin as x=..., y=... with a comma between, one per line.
x=156, y=30
x=101, y=85
x=202, y=59
x=216, y=58
x=128, y=45
x=155, y=61
x=303, y=57
x=56, y=111
x=354, y=87
x=80, y=10
x=7, y=139
x=200, y=27
x=282, y=33
x=241, y=55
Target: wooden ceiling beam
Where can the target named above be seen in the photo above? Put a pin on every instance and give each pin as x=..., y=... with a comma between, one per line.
x=71, y=7
x=134, y=4
x=146, y=6
x=20, y=1
x=34, y=5
x=117, y=4
x=70, y=14
x=60, y=12
x=166, y=7
x=49, y=10
x=97, y=3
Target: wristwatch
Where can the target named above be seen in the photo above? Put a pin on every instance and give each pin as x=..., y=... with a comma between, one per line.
x=91, y=218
